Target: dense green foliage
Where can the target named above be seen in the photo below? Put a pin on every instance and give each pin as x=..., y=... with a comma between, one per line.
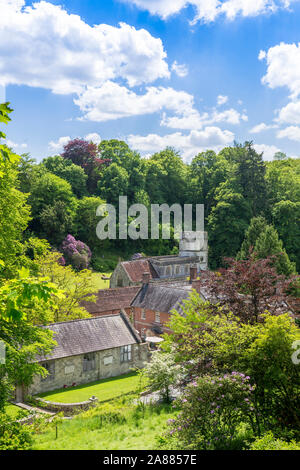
x=236, y=186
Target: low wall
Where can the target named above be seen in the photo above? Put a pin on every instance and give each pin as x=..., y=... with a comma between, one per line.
x=66, y=408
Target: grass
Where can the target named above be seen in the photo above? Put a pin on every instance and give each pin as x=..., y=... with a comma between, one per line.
x=105, y=389
x=100, y=283
x=13, y=411
x=107, y=427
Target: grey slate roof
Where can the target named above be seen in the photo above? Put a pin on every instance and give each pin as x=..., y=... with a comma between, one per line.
x=90, y=335
x=160, y=298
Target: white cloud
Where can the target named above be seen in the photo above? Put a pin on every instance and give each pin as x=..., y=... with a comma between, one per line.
x=112, y=101
x=290, y=114
x=262, y=127
x=15, y=146
x=180, y=69
x=291, y=133
x=59, y=144
x=209, y=10
x=93, y=137
x=44, y=46
x=222, y=100
x=268, y=150
x=283, y=67
x=195, y=120
x=189, y=145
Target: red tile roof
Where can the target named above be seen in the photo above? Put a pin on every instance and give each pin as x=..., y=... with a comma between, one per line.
x=135, y=269
x=112, y=299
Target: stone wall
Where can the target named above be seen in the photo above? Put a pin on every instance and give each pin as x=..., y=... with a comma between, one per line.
x=119, y=278
x=69, y=371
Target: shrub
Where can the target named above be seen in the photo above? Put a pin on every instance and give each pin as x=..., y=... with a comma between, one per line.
x=14, y=435
x=269, y=442
x=212, y=410
x=76, y=253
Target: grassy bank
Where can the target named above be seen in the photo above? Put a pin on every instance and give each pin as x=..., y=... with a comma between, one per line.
x=107, y=427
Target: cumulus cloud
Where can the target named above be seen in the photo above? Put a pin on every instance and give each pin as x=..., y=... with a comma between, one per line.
x=180, y=69
x=267, y=150
x=222, y=100
x=291, y=133
x=61, y=52
x=262, y=127
x=195, y=120
x=290, y=114
x=209, y=10
x=93, y=137
x=283, y=69
x=15, y=146
x=188, y=145
x=59, y=144
x=113, y=101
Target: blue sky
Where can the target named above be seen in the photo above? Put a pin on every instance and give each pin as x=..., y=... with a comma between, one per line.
x=193, y=74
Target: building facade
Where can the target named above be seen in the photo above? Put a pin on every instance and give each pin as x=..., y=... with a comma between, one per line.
x=89, y=350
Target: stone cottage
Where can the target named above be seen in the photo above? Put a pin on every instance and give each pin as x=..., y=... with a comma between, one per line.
x=88, y=350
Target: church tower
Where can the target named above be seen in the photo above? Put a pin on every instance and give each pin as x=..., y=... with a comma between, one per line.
x=195, y=244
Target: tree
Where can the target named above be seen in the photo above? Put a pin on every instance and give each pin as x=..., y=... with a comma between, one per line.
x=86, y=155
x=206, y=172
x=279, y=156
x=171, y=184
x=86, y=220
x=268, y=244
x=256, y=227
x=114, y=183
x=22, y=339
x=162, y=372
x=286, y=217
x=76, y=286
x=52, y=202
x=249, y=171
x=249, y=287
x=65, y=169
x=14, y=210
x=227, y=223
x=56, y=221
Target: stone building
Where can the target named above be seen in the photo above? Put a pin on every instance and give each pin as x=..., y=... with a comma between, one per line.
x=88, y=350
x=193, y=251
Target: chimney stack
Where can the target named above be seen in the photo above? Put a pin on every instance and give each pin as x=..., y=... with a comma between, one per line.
x=146, y=278
x=193, y=273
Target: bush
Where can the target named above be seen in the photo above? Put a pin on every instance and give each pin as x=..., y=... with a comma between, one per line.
x=14, y=435
x=76, y=253
x=269, y=442
x=212, y=411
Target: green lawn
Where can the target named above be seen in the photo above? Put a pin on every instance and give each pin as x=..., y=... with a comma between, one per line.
x=105, y=389
x=13, y=411
x=107, y=427
x=98, y=282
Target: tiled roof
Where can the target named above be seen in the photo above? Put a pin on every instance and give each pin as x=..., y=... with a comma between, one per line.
x=160, y=298
x=111, y=299
x=90, y=335
x=136, y=268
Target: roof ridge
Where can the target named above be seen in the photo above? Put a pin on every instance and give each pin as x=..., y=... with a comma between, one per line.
x=82, y=319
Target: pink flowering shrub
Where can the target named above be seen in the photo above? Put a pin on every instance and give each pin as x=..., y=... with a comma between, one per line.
x=212, y=410
x=76, y=253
